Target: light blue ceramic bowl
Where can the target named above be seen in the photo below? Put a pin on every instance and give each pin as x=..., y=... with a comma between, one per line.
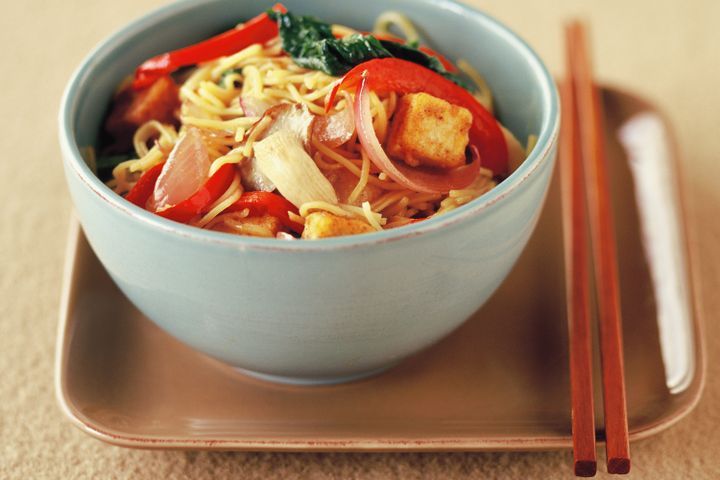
x=315, y=311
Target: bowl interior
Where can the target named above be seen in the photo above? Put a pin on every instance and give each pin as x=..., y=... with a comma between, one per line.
x=525, y=96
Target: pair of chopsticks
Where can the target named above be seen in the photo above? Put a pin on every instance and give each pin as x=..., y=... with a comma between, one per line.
x=586, y=199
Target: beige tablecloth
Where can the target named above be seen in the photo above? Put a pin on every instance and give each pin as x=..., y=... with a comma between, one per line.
x=665, y=49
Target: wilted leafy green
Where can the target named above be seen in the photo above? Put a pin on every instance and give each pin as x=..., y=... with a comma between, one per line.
x=311, y=44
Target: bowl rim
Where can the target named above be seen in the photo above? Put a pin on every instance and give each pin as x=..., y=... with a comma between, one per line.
x=541, y=153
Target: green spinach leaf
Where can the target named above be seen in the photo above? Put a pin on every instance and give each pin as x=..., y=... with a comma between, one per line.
x=311, y=44
x=405, y=52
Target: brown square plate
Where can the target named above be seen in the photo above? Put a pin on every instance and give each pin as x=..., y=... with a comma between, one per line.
x=499, y=382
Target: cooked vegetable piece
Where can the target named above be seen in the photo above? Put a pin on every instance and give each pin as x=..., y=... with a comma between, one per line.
x=199, y=201
x=256, y=30
x=292, y=117
x=253, y=178
x=324, y=224
x=266, y=203
x=283, y=116
x=429, y=131
x=447, y=64
x=395, y=75
x=189, y=208
x=184, y=172
x=133, y=108
x=334, y=130
x=311, y=43
x=143, y=189
x=421, y=56
x=282, y=158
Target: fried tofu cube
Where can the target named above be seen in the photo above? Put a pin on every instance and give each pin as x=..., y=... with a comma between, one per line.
x=324, y=224
x=131, y=108
x=429, y=131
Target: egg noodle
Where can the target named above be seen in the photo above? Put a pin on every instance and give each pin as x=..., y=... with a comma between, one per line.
x=210, y=101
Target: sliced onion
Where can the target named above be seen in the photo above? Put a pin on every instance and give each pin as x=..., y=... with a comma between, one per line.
x=287, y=117
x=419, y=179
x=291, y=117
x=185, y=171
x=336, y=129
x=253, y=106
x=286, y=163
x=253, y=179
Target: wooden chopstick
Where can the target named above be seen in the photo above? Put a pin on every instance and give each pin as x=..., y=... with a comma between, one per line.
x=577, y=286
x=602, y=236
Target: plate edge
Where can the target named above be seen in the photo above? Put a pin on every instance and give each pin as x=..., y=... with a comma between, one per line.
x=499, y=444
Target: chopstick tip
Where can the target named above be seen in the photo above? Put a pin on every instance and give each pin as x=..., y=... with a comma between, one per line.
x=618, y=465
x=585, y=468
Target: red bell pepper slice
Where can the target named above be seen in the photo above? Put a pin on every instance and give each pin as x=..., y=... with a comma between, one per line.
x=394, y=75
x=261, y=203
x=189, y=208
x=144, y=187
x=198, y=202
x=259, y=29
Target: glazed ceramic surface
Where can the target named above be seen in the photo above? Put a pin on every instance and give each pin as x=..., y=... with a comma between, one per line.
x=328, y=310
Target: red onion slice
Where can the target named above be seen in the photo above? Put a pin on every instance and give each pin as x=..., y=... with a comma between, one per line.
x=185, y=171
x=292, y=117
x=336, y=129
